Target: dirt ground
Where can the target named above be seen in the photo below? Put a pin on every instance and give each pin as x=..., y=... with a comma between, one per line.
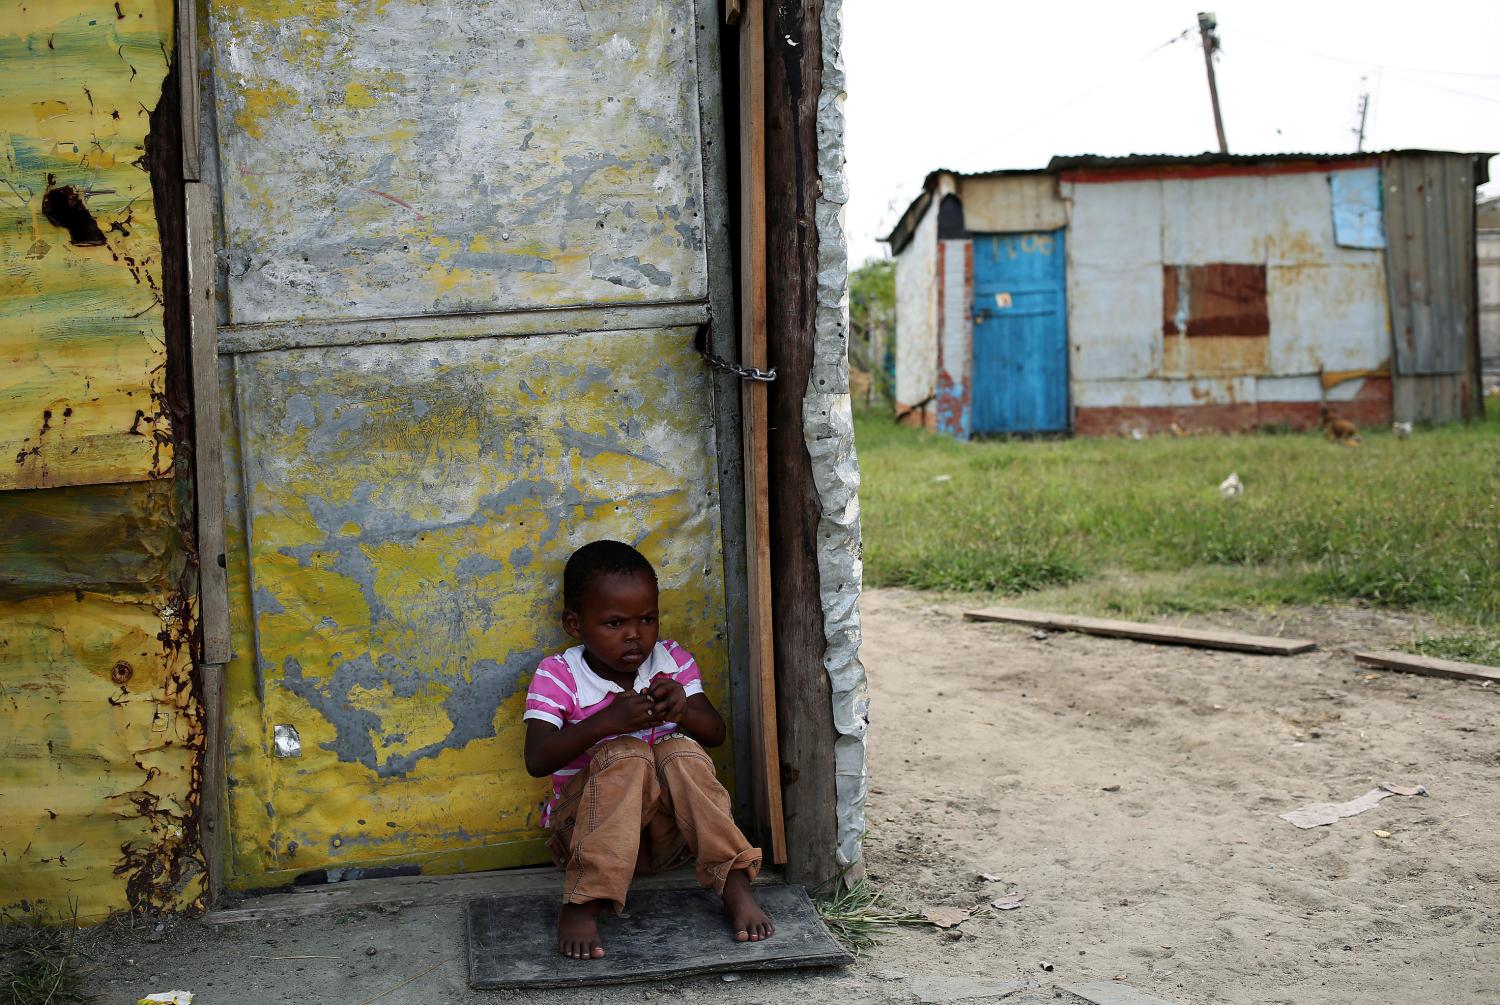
x=1129, y=791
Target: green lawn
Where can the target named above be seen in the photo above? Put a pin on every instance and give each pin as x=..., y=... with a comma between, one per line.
x=1139, y=526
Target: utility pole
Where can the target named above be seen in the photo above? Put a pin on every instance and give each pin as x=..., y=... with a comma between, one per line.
x=1207, y=27
x=1364, y=110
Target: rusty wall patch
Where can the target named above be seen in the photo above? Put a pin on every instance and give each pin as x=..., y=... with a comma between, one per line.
x=1220, y=300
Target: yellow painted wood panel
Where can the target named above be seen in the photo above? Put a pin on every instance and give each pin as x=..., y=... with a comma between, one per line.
x=82, y=355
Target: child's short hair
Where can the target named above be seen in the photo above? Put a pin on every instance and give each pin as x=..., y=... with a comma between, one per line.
x=596, y=559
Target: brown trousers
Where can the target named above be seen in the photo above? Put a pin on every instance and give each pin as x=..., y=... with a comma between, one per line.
x=637, y=810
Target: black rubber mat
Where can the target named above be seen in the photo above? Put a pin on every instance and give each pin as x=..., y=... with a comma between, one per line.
x=662, y=934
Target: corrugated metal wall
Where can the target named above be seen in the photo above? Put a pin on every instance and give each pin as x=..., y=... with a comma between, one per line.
x=1325, y=337
x=101, y=727
x=1429, y=217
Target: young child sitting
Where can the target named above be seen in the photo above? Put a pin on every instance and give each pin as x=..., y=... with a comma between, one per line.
x=620, y=723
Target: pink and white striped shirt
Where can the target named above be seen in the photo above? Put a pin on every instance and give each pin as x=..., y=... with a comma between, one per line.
x=565, y=691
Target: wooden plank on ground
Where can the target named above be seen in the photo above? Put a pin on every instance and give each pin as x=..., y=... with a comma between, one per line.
x=1141, y=632
x=1427, y=666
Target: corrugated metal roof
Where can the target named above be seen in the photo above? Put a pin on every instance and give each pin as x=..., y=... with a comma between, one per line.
x=1207, y=159
x=901, y=233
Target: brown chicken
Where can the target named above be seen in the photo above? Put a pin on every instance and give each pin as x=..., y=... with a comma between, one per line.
x=1339, y=430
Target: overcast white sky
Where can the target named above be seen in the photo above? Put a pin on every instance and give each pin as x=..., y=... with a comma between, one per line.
x=977, y=85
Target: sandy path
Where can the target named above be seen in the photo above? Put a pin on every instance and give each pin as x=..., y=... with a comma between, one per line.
x=991, y=751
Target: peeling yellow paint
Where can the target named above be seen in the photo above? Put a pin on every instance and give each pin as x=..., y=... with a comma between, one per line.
x=407, y=524
x=101, y=726
x=357, y=95
x=102, y=734
x=80, y=326
x=259, y=103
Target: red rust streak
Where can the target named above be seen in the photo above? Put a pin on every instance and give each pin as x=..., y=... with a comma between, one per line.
x=398, y=202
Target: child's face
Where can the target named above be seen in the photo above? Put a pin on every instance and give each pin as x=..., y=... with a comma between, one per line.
x=616, y=621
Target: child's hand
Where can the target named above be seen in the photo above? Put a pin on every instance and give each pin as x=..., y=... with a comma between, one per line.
x=628, y=713
x=670, y=700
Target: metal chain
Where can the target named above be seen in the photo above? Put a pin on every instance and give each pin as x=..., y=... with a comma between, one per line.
x=742, y=372
x=729, y=366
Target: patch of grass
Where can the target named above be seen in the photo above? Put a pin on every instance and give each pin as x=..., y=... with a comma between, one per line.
x=1465, y=647
x=1397, y=522
x=37, y=965
x=856, y=918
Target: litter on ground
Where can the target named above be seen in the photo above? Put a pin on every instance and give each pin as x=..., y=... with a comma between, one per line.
x=1322, y=814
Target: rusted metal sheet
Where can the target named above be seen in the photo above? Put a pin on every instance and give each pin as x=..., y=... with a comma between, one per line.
x=102, y=733
x=1429, y=221
x=1224, y=293
x=410, y=507
x=101, y=729
x=80, y=262
x=391, y=159
x=1217, y=299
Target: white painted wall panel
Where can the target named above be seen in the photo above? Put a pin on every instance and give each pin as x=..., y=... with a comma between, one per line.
x=1114, y=319
x=1328, y=317
x=955, y=328
x=1214, y=220
x=1114, y=281
x=1158, y=393
x=1306, y=389
x=916, y=314
x=1115, y=224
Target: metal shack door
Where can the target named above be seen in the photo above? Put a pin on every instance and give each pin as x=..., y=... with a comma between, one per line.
x=464, y=253
x=1020, y=334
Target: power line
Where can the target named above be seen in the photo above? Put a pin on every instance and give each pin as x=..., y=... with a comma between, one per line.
x=1365, y=62
x=1439, y=87
x=1103, y=82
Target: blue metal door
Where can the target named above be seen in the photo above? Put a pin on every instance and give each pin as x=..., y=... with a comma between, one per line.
x=1020, y=378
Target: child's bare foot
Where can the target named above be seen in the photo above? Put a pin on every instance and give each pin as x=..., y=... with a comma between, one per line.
x=578, y=931
x=745, y=914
